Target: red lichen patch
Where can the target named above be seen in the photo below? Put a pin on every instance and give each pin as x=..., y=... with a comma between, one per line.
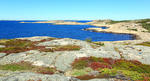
x=97, y=65
x=92, y=62
x=88, y=77
x=109, y=61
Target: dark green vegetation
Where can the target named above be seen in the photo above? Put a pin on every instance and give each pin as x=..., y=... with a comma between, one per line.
x=18, y=45
x=144, y=44
x=110, y=68
x=145, y=23
x=114, y=22
x=22, y=66
x=99, y=43
x=95, y=45
x=132, y=29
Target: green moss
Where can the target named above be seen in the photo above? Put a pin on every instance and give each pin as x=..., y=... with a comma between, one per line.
x=16, y=67
x=81, y=72
x=110, y=72
x=80, y=64
x=27, y=66
x=134, y=75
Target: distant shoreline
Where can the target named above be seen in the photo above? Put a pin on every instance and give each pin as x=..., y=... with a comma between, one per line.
x=118, y=28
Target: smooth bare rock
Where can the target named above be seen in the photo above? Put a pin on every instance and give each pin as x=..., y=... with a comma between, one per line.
x=2, y=54
x=65, y=41
x=2, y=46
x=63, y=62
x=36, y=38
x=26, y=76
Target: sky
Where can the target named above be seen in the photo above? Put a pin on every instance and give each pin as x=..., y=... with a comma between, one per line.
x=74, y=9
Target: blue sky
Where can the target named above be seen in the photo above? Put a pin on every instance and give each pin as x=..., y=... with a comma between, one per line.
x=74, y=9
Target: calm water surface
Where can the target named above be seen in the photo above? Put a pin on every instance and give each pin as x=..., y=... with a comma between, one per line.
x=14, y=29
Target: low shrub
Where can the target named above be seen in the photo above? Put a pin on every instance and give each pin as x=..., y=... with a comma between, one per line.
x=108, y=67
x=17, y=45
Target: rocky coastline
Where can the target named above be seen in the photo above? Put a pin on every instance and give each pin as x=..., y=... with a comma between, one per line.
x=55, y=59
x=123, y=27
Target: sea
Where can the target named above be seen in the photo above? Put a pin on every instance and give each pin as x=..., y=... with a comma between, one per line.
x=15, y=29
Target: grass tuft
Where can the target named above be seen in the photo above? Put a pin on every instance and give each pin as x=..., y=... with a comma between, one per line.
x=21, y=66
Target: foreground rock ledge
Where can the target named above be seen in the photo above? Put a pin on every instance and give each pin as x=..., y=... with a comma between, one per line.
x=62, y=60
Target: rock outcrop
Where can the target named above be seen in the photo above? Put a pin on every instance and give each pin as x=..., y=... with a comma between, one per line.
x=62, y=60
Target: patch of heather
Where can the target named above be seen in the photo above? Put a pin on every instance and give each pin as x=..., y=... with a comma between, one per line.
x=130, y=69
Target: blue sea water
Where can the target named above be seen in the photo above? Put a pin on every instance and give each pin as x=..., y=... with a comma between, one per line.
x=14, y=29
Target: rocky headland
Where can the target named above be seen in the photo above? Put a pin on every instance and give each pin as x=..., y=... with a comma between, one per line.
x=65, y=59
